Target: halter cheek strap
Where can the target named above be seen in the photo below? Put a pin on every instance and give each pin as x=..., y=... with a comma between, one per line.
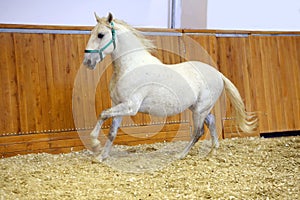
x=112, y=41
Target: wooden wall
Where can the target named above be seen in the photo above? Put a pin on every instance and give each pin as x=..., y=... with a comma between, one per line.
x=48, y=98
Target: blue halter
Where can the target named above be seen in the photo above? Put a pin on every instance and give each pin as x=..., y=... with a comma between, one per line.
x=112, y=41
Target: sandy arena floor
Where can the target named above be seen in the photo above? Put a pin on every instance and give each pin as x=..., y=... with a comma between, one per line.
x=252, y=168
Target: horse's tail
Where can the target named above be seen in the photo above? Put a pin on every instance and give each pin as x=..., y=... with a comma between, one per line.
x=246, y=121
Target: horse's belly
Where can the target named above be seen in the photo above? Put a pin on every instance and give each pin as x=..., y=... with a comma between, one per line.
x=166, y=103
x=161, y=109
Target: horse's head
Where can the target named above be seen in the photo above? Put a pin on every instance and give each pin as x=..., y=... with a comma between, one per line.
x=102, y=41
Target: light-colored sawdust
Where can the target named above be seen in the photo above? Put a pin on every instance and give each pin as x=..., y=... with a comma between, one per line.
x=248, y=168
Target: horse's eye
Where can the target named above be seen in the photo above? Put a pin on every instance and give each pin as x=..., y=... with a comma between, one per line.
x=100, y=35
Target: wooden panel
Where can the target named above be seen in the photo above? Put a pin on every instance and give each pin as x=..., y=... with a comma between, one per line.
x=33, y=143
x=233, y=55
x=40, y=85
x=275, y=64
x=257, y=66
x=258, y=82
x=270, y=67
x=289, y=82
x=9, y=118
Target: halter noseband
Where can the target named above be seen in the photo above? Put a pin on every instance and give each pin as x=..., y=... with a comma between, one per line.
x=112, y=41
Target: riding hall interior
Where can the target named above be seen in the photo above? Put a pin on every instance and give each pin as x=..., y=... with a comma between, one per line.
x=50, y=103
x=39, y=65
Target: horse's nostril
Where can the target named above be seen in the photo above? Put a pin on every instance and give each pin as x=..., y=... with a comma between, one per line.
x=87, y=62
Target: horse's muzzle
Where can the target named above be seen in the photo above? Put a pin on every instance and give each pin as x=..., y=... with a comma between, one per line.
x=89, y=64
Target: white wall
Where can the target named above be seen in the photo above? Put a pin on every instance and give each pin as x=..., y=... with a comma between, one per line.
x=221, y=14
x=194, y=14
x=139, y=13
x=254, y=14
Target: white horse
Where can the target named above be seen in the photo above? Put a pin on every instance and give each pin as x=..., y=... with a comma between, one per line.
x=142, y=83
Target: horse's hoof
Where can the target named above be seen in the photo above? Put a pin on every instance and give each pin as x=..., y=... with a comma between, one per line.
x=96, y=149
x=95, y=161
x=101, y=158
x=96, y=146
x=179, y=156
x=217, y=145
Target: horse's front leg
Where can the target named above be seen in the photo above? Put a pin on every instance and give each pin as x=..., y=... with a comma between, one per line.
x=95, y=143
x=122, y=109
x=111, y=137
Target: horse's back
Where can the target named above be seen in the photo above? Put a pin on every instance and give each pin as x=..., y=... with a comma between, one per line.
x=201, y=76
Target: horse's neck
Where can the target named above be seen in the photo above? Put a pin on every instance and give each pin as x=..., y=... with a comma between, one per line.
x=130, y=53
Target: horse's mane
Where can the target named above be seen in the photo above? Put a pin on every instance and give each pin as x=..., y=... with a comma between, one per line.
x=148, y=44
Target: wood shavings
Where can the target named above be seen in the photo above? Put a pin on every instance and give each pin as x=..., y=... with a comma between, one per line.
x=244, y=168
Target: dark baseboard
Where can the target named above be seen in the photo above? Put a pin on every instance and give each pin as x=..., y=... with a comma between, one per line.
x=280, y=134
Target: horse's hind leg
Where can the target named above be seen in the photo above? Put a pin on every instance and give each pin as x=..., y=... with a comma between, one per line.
x=210, y=121
x=198, y=119
x=111, y=137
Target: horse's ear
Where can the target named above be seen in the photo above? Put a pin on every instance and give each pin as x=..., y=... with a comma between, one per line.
x=98, y=19
x=109, y=18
